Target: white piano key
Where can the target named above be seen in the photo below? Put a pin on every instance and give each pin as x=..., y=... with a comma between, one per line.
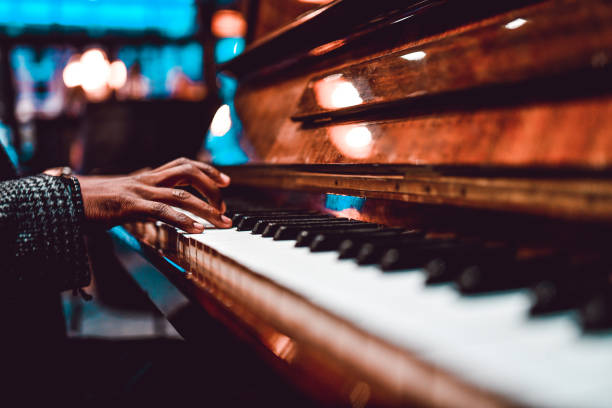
x=487, y=340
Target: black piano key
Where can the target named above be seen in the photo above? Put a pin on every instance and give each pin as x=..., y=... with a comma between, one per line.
x=568, y=291
x=247, y=222
x=350, y=247
x=596, y=313
x=446, y=267
x=237, y=216
x=416, y=256
x=330, y=241
x=372, y=252
x=305, y=234
x=273, y=227
x=269, y=228
x=500, y=274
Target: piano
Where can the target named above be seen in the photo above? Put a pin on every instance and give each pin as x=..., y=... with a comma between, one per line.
x=424, y=213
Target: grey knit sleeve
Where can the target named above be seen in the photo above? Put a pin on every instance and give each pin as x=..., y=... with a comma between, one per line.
x=41, y=233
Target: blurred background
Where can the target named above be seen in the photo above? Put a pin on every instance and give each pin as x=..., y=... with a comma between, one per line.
x=111, y=86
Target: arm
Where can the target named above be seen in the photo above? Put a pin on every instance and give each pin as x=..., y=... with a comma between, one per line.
x=41, y=233
x=42, y=217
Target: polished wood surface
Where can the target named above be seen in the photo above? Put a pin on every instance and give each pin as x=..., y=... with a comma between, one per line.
x=533, y=44
x=532, y=124
x=580, y=198
x=272, y=15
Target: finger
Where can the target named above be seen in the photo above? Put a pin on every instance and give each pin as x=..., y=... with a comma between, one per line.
x=188, y=174
x=218, y=177
x=189, y=202
x=140, y=171
x=163, y=212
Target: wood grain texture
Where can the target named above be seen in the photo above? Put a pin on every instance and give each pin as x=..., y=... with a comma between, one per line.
x=569, y=198
x=569, y=38
x=565, y=121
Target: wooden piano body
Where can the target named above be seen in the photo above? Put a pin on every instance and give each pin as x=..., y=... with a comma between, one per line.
x=485, y=118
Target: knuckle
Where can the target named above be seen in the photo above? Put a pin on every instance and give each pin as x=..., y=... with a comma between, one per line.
x=160, y=209
x=211, y=170
x=181, y=194
x=183, y=219
x=182, y=160
x=188, y=168
x=192, y=168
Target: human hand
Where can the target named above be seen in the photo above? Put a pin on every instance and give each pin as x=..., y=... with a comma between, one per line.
x=150, y=194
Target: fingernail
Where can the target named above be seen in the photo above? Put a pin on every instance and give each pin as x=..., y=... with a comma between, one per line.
x=226, y=179
x=198, y=226
x=226, y=220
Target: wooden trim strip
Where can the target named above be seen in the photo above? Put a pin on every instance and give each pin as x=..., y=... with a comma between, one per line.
x=583, y=199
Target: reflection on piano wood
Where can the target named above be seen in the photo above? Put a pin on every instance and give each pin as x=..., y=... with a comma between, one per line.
x=451, y=166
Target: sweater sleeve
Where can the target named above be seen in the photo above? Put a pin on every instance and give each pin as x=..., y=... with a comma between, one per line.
x=41, y=234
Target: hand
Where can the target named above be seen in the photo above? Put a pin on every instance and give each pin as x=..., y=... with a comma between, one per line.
x=150, y=194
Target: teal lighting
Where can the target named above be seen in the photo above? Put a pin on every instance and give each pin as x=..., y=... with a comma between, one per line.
x=23, y=60
x=172, y=18
x=225, y=149
x=179, y=268
x=228, y=48
x=157, y=61
x=337, y=202
x=122, y=236
x=6, y=141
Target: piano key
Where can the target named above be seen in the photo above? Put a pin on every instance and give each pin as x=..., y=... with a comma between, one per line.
x=488, y=340
x=570, y=290
x=289, y=230
x=416, y=256
x=261, y=226
x=372, y=252
x=247, y=222
x=304, y=236
x=499, y=274
x=237, y=216
x=596, y=313
x=446, y=267
x=330, y=241
x=349, y=248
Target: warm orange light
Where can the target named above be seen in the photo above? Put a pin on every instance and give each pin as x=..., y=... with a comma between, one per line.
x=118, y=74
x=95, y=74
x=95, y=70
x=73, y=73
x=333, y=92
x=228, y=23
x=353, y=141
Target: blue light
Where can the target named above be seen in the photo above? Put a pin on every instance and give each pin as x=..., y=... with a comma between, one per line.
x=227, y=87
x=337, y=202
x=125, y=238
x=173, y=18
x=6, y=141
x=175, y=265
x=225, y=150
x=156, y=63
x=228, y=48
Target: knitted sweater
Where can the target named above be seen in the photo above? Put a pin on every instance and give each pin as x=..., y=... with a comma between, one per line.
x=41, y=232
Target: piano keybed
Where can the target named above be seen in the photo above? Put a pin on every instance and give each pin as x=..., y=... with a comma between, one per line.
x=521, y=324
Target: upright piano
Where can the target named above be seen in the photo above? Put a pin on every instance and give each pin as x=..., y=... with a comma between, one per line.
x=424, y=212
